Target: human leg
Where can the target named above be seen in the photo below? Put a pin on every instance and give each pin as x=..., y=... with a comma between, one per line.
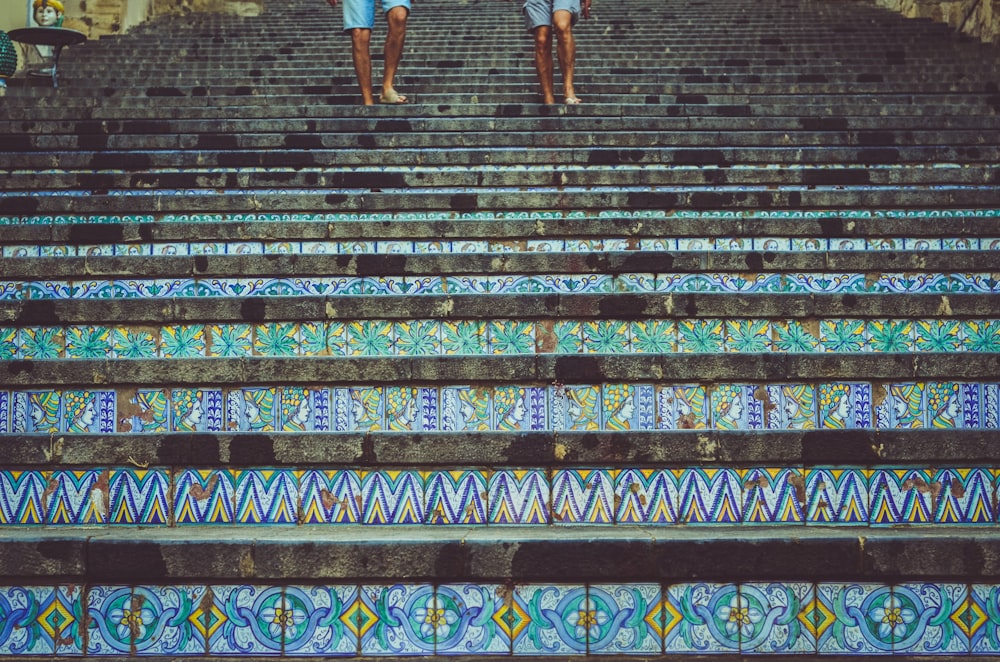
x=359, y=19
x=360, y=43
x=396, y=20
x=562, y=22
x=543, y=62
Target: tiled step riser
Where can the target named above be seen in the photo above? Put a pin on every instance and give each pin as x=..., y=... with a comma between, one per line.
x=499, y=619
x=663, y=499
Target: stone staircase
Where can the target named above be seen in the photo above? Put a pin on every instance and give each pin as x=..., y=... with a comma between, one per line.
x=706, y=365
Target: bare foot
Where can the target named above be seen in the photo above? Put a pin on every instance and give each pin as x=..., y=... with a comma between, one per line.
x=392, y=96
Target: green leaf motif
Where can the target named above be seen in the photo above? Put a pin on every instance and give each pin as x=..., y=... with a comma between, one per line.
x=88, y=342
x=891, y=336
x=843, y=336
x=183, y=342
x=231, y=340
x=41, y=343
x=794, y=338
x=653, y=337
x=419, y=338
x=133, y=344
x=567, y=333
x=748, y=336
x=701, y=336
x=370, y=338
x=982, y=336
x=511, y=338
x=313, y=340
x=276, y=340
x=463, y=338
x=938, y=336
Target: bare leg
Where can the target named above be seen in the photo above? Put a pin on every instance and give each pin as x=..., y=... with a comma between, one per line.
x=396, y=18
x=566, y=48
x=360, y=40
x=543, y=62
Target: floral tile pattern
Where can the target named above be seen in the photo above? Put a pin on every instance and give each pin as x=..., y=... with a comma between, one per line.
x=404, y=619
x=168, y=620
x=474, y=619
x=319, y=621
x=704, y=618
x=558, y=619
x=625, y=619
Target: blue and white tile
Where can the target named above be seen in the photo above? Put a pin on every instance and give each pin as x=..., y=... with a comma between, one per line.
x=558, y=619
x=319, y=621
x=627, y=619
x=111, y=620
x=771, y=617
x=168, y=620
x=330, y=496
x=929, y=616
x=583, y=496
x=474, y=618
x=249, y=620
x=405, y=619
x=702, y=618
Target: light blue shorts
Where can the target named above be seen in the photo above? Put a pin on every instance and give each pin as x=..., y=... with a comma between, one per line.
x=539, y=12
x=361, y=13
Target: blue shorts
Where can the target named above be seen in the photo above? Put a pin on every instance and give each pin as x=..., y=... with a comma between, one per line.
x=361, y=13
x=539, y=12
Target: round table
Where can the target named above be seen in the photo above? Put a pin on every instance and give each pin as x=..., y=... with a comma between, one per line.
x=58, y=38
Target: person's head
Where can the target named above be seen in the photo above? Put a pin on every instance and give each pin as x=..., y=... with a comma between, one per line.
x=48, y=13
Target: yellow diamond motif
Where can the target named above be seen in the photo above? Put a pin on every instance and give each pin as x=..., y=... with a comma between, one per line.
x=358, y=618
x=671, y=617
x=653, y=618
x=216, y=617
x=816, y=618
x=970, y=619
x=55, y=618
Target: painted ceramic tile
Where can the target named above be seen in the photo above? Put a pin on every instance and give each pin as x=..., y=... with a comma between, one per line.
x=404, y=619
x=10, y=344
x=772, y=244
x=624, y=407
x=464, y=337
x=182, y=342
x=195, y=410
x=168, y=620
x=511, y=337
x=837, y=496
x=844, y=406
x=990, y=406
x=637, y=283
x=929, y=619
x=336, y=338
x=358, y=409
x=88, y=342
x=747, y=336
x=135, y=343
x=700, y=336
x=793, y=336
x=369, y=338
x=694, y=244
x=21, y=497
x=583, y=496
x=734, y=407
x=519, y=496
x=518, y=408
x=466, y=408
x=809, y=244
x=77, y=497
x=392, y=497
x=624, y=619
x=266, y=496
x=939, y=335
x=890, y=336
x=981, y=335
x=139, y=496
x=408, y=408
x=252, y=409
x=5, y=412
x=576, y=407
x=703, y=618
x=708, y=496
x=204, y=496
x=944, y=405
x=473, y=619
x=646, y=496
x=776, y=617
x=276, y=339
x=42, y=343
x=230, y=340
x=903, y=496
x=653, y=336
x=559, y=618
x=303, y=409
x=681, y=407
x=417, y=338
x=857, y=619
x=964, y=497
x=773, y=496
x=846, y=336
x=312, y=339
x=606, y=337
x=791, y=407
x=111, y=620
x=246, y=620
x=26, y=627
x=318, y=620
x=981, y=619
x=330, y=497
x=88, y=411
x=457, y=497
